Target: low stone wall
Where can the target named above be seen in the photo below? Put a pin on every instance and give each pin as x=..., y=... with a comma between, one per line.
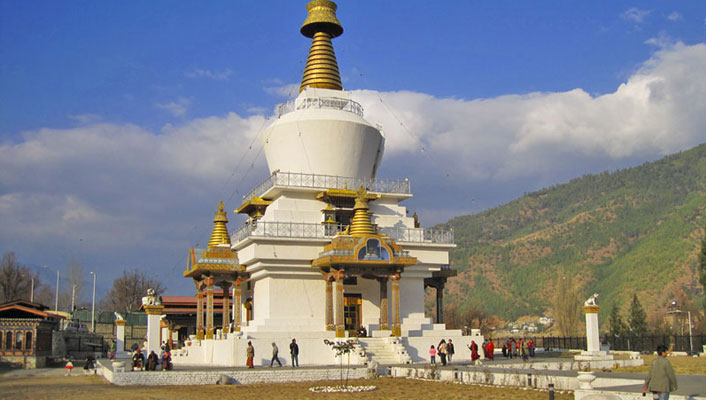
x=211, y=377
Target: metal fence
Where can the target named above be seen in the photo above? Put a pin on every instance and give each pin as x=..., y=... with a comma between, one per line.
x=307, y=230
x=635, y=343
x=318, y=181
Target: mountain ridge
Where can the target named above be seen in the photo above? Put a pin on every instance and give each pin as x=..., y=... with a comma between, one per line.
x=635, y=230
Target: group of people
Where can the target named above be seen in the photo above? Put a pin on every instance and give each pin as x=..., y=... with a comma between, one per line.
x=164, y=359
x=519, y=348
x=293, y=352
x=444, y=350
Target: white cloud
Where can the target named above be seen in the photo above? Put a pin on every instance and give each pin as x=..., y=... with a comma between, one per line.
x=660, y=109
x=674, y=16
x=84, y=119
x=635, y=15
x=287, y=91
x=177, y=108
x=205, y=73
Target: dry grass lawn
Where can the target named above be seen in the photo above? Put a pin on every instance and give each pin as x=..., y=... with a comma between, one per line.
x=682, y=365
x=57, y=386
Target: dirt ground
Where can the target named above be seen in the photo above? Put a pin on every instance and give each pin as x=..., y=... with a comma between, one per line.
x=53, y=384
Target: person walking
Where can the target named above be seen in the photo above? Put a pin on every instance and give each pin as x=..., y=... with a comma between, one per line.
x=432, y=354
x=275, y=353
x=294, y=352
x=474, y=351
x=661, y=379
x=250, y=353
x=441, y=350
x=490, y=347
x=450, y=351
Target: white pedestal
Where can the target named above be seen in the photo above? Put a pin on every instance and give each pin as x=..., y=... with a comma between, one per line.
x=593, y=343
x=154, y=333
x=120, y=340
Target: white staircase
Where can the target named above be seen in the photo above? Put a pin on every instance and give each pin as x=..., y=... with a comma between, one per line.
x=385, y=350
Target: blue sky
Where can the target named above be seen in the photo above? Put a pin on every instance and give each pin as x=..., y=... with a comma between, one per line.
x=123, y=123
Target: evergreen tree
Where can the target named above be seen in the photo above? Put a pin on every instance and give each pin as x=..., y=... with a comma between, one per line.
x=617, y=326
x=637, y=321
x=702, y=266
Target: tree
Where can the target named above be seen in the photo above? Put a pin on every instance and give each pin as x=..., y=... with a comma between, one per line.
x=637, y=320
x=128, y=290
x=702, y=266
x=457, y=317
x=566, y=306
x=76, y=275
x=15, y=279
x=617, y=326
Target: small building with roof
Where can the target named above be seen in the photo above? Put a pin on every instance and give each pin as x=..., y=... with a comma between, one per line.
x=26, y=330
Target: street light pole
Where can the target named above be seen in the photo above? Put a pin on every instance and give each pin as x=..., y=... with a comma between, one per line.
x=93, y=307
x=73, y=298
x=56, y=300
x=691, y=340
x=31, y=293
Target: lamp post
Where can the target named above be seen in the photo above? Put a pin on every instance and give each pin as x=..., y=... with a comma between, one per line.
x=93, y=306
x=56, y=299
x=688, y=313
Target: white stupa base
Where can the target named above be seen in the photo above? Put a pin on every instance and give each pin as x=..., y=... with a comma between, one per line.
x=594, y=356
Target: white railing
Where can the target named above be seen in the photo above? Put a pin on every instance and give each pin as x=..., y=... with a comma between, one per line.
x=297, y=179
x=304, y=230
x=334, y=103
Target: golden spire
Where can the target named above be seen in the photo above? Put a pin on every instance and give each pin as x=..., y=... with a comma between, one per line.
x=321, y=25
x=361, y=224
x=220, y=231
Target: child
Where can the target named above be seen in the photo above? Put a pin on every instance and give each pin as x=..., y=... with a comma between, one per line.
x=69, y=366
x=432, y=353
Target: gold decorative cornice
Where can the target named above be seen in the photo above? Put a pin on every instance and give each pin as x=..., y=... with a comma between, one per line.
x=154, y=310
x=254, y=207
x=121, y=322
x=220, y=231
x=591, y=309
x=321, y=25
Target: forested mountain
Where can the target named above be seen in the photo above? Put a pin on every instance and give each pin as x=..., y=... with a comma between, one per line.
x=636, y=230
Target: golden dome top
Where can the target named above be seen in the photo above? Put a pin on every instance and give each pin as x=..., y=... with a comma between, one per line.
x=321, y=25
x=220, y=231
x=361, y=223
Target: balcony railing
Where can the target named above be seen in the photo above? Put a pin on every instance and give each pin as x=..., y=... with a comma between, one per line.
x=296, y=179
x=333, y=103
x=304, y=230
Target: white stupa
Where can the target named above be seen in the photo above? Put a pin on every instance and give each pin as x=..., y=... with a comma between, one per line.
x=327, y=248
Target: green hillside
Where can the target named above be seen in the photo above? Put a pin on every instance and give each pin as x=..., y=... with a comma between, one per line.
x=632, y=231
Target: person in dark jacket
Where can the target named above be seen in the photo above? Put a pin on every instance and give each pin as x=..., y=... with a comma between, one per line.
x=152, y=360
x=661, y=379
x=294, y=352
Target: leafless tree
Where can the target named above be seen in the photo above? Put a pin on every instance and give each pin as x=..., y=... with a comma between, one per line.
x=15, y=279
x=566, y=306
x=128, y=290
x=456, y=317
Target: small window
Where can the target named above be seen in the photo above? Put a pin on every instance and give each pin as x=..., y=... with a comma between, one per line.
x=1, y=333
x=8, y=341
x=28, y=341
x=18, y=341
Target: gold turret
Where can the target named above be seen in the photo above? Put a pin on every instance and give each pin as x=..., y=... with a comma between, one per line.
x=361, y=224
x=220, y=231
x=321, y=25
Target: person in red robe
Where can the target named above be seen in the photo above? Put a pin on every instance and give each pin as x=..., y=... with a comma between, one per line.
x=491, y=348
x=474, y=351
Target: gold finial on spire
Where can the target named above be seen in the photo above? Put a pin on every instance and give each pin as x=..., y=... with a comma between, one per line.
x=220, y=231
x=361, y=224
x=321, y=25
